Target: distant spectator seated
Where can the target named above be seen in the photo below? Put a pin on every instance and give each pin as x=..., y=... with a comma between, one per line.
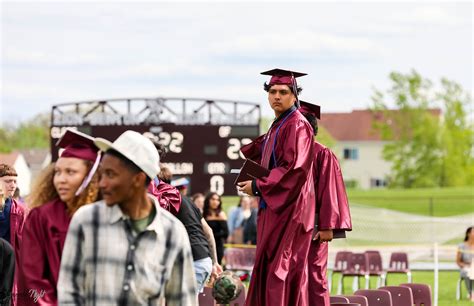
x=237, y=216
x=17, y=197
x=250, y=224
x=464, y=259
x=198, y=200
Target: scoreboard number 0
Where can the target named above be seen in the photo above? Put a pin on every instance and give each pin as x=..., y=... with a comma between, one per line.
x=233, y=150
x=216, y=184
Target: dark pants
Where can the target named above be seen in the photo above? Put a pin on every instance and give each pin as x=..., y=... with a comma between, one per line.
x=7, y=271
x=317, y=282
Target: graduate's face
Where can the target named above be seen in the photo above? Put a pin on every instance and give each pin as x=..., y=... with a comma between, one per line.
x=280, y=98
x=69, y=172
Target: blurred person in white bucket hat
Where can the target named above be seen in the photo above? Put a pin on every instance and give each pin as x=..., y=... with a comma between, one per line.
x=126, y=249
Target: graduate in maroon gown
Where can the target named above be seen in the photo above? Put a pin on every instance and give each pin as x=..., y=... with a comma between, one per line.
x=332, y=209
x=286, y=213
x=62, y=188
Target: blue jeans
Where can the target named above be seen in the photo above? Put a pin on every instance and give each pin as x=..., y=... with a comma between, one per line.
x=202, y=270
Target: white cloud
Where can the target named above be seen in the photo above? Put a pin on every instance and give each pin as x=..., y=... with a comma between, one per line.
x=61, y=51
x=32, y=57
x=308, y=42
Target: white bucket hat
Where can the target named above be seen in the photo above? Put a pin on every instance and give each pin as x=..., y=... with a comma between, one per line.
x=135, y=147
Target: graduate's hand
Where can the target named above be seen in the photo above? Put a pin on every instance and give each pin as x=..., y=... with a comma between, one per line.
x=325, y=235
x=246, y=187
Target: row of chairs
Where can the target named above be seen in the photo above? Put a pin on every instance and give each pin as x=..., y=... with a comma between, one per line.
x=241, y=259
x=365, y=265
x=402, y=295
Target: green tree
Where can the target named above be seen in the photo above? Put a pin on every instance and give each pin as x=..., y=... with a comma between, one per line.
x=325, y=138
x=424, y=150
x=33, y=133
x=456, y=136
x=411, y=129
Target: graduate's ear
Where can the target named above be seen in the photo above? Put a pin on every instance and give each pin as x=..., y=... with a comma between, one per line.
x=139, y=179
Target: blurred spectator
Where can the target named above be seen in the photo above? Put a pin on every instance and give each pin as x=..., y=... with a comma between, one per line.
x=464, y=259
x=198, y=200
x=237, y=216
x=17, y=197
x=165, y=175
x=126, y=250
x=250, y=224
x=201, y=238
x=217, y=220
x=12, y=216
x=182, y=184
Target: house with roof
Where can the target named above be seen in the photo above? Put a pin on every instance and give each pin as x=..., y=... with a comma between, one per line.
x=37, y=159
x=18, y=162
x=359, y=147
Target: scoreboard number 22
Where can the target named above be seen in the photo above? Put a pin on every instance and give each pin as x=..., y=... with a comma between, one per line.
x=233, y=150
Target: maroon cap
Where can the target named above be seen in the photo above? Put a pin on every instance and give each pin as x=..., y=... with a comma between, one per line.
x=282, y=77
x=308, y=108
x=78, y=145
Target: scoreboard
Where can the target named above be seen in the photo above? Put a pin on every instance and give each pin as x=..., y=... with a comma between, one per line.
x=203, y=137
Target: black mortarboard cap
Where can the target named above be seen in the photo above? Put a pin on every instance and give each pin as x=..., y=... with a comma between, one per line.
x=283, y=77
x=313, y=109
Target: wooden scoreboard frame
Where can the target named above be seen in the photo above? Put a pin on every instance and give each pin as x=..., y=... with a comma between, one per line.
x=202, y=136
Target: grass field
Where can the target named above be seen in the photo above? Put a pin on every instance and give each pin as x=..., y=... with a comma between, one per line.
x=434, y=201
x=438, y=202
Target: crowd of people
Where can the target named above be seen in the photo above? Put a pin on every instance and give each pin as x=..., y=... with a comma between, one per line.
x=106, y=225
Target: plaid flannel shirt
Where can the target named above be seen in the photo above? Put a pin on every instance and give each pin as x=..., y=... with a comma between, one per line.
x=105, y=263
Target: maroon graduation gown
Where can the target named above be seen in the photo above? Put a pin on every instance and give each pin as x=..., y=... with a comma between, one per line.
x=17, y=220
x=333, y=211
x=285, y=225
x=167, y=195
x=44, y=234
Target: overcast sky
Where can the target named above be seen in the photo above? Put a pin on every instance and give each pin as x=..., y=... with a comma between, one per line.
x=63, y=52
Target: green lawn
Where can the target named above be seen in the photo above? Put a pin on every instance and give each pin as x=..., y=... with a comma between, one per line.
x=443, y=201
x=435, y=201
x=229, y=201
x=430, y=201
